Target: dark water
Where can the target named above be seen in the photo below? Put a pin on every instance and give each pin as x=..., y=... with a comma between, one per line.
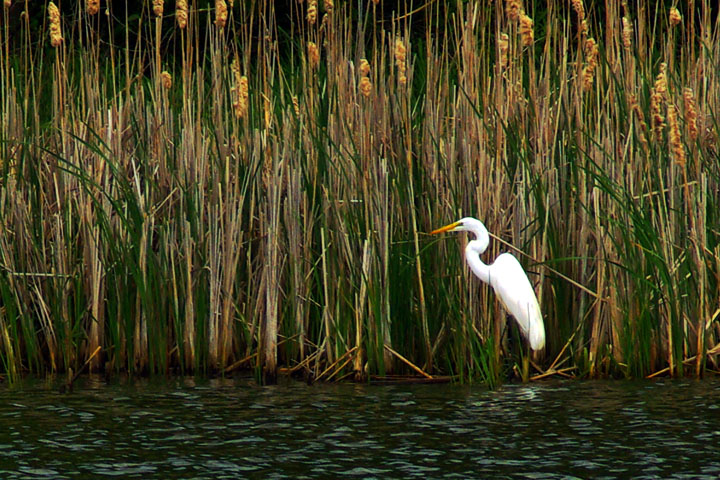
x=185, y=428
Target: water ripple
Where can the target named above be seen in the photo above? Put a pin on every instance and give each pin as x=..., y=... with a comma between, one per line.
x=233, y=429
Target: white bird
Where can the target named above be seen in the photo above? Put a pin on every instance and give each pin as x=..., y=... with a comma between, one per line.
x=507, y=278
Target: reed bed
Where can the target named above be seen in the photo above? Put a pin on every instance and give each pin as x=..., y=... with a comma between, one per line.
x=208, y=186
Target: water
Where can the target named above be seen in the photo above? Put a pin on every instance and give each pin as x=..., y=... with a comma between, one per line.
x=185, y=428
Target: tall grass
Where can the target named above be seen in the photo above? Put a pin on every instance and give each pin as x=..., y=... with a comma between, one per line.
x=211, y=187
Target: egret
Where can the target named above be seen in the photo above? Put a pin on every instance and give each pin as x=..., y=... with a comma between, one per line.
x=507, y=277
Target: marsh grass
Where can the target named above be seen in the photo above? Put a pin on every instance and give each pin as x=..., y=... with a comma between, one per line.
x=191, y=192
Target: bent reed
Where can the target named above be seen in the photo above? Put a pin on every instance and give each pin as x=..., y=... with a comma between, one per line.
x=231, y=186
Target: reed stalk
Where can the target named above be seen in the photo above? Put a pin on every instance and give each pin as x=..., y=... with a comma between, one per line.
x=192, y=188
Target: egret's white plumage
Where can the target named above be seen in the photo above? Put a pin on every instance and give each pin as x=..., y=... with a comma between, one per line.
x=507, y=278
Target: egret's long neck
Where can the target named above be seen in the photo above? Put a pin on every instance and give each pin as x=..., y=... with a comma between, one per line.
x=472, y=255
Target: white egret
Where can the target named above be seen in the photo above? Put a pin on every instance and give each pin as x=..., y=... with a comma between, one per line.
x=507, y=278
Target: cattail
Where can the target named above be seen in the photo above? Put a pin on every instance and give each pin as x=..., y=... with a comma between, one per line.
x=635, y=108
x=400, y=54
x=166, y=79
x=328, y=5
x=591, y=54
x=583, y=29
x=513, y=9
x=158, y=7
x=627, y=31
x=376, y=2
x=181, y=13
x=657, y=98
x=7, y=3
x=364, y=69
x=690, y=113
x=366, y=86
x=400, y=58
x=503, y=46
x=579, y=9
x=312, y=12
x=675, y=17
x=55, y=32
x=221, y=13
x=313, y=54
x=91, y=6
x=242, y=100
x=676, y=144
x=526, y=30
x=240, y=105
x=296, y=105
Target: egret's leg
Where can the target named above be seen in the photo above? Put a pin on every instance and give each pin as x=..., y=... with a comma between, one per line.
x=526, y=363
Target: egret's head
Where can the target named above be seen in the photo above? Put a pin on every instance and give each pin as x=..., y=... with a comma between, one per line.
x=472, y=225
x=467, y=224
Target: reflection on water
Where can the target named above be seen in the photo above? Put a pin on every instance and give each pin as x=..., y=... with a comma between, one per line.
x=186, y=428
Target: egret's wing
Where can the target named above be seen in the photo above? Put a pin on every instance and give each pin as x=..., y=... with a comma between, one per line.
x=513, y=287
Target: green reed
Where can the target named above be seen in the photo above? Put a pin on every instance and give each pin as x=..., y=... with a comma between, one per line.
x=249, y=194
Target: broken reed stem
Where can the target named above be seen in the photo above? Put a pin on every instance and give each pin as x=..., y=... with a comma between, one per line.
x=408, y=362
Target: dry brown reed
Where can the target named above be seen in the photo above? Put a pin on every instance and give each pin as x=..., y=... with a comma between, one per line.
x=690, y=113
x=270, y=211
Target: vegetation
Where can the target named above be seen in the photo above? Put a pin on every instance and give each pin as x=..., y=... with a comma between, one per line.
x=205, y=189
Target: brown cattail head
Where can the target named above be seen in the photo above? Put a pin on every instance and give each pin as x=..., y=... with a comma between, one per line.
x=366, y=86
x=91, y=6
x=221, y=13
x=55, y=31
x=661, y=81
x=181, y=13
x=676, y=144
x=657, y=98
x=627, y=32
x=364, y=69
x=635, y=108
x=400, y=59
x=690, y=113
x=503, y=45
x=166, y=79
x=7, y=3
x=400, y=54
x=526, y=30
x=313, y=54
x=240, y=105
x=591, y=54
x=579, y=9
x=675, y=17
x=158, y=7
x=513, y=9
x=312, y=12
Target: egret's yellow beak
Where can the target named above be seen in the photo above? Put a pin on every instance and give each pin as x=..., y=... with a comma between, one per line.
x=446, y=228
